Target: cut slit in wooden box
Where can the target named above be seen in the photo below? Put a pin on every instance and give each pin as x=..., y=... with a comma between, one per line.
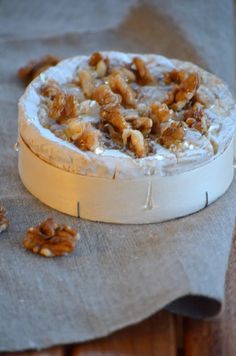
x=148, y=199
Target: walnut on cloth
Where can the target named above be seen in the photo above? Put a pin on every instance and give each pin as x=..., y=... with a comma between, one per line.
x=50, y=239
x=3, y=220
x=35, y=67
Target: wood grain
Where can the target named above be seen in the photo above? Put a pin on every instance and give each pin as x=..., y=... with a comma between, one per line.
x=53, y=351
x=198, y=338
x=155, y=336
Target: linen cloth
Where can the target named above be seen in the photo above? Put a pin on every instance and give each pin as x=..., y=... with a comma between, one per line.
x=119, y=274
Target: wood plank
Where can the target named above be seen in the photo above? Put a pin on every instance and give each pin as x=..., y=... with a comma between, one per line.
x=198, y=338
x=155, y=336
x=54, y=351
x=179, y=334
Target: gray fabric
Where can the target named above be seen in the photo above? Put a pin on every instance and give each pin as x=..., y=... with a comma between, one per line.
x=118, y=275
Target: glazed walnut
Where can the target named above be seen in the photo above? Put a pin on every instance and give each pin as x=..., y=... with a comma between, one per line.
x=159, y=113
x=135, y=141
x=83, y=134
x=71, y=107
x=181, y=94
x=113, y=133
x=50, y=239
x=113, y=116
x=104, y=95
x=143, y=74
x=95, y=58
x=86, y=83
x=56, y=106
x=50, y=89
x=89, y=140
x=195, y=112
x=170, y=96
x=172, y=135
x=143, y=124
x=3, y=220
x=186, y=91
x=100, y=64
x=175, y=76
x=61, y=106
x=196, y=119
x=127, y=74
x=118, y=85
x=75, y=128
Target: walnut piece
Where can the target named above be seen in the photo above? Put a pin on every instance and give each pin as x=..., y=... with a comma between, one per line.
x=172, y=135
x=118, y=85
x=83, y=134
x=101, y=69
x=3, y=220
x=195, y=112
x=186, y=91
x=86, y=82
x=100, y=63
x=61, y=106
x=188, y=88
x=50, y=89
x=127, y=74
x=174, y=76
x=75, y=128
x=70, y=109
x=34, y=68
x=114, y=134
x=159, y=113
x=95, y=58
x=89, y=140
x=170, y=97
x=104, y=95
x=50, y=239
x=144, y=77
x=56, y=106
x=113, y=116
x=135, y=141
x=143, y=124
x=196, y=119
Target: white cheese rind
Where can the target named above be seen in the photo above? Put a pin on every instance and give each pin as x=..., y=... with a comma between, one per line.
x=197, y=151
x=149, y=199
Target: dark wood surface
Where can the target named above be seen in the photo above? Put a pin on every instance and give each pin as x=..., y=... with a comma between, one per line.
x=166, y=334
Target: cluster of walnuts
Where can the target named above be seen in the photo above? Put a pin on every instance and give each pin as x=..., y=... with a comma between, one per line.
x=47, y=239
x=113, y=90
x=50, y=239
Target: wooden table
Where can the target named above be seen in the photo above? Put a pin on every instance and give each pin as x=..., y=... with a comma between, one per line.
x=166, y=334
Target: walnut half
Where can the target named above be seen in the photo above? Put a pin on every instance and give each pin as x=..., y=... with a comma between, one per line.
x=135, y=141
x=144, y=77
x=50, y=239
x=172, y=135
x=3, y=220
